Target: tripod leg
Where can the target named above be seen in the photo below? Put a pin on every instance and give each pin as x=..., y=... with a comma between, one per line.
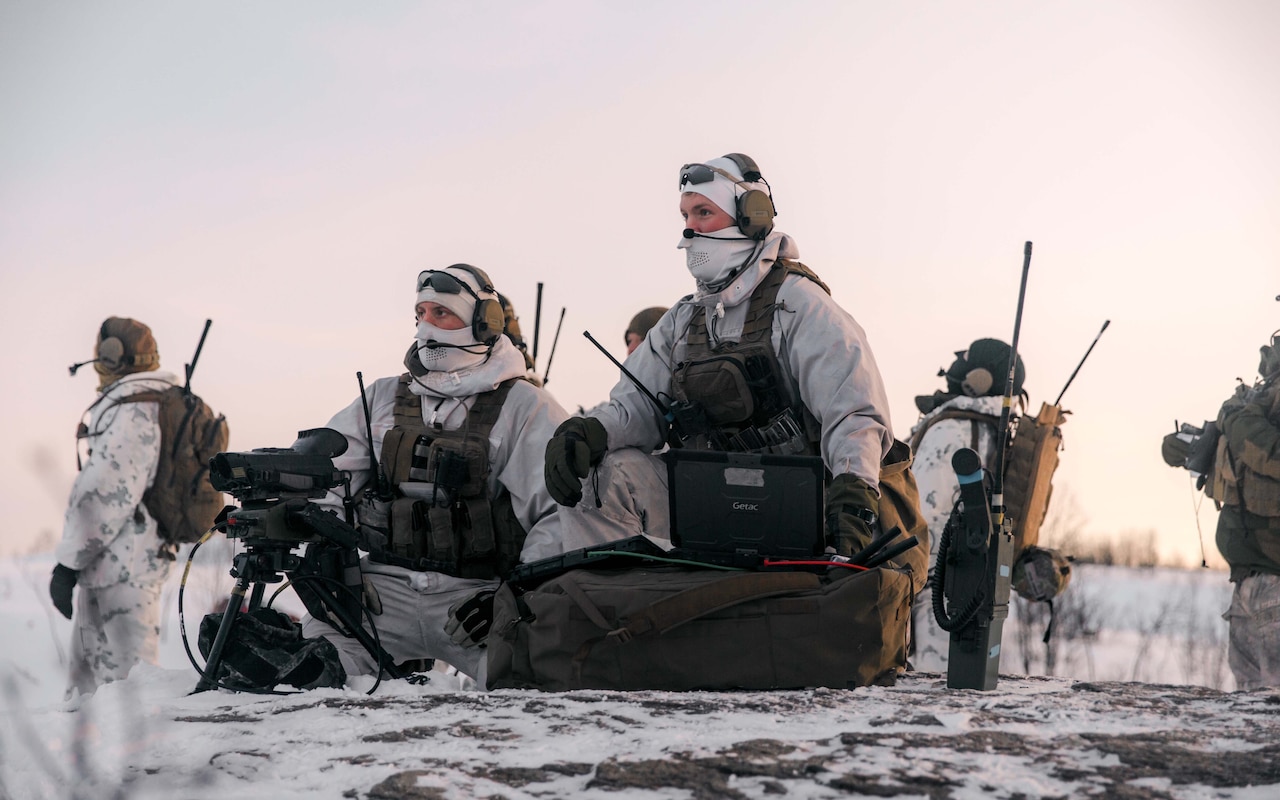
x=209, y=678
x=339, y=610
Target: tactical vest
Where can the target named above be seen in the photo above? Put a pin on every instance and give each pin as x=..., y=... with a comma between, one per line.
x=1234, y=482
x=742, y=402
x=443, y=518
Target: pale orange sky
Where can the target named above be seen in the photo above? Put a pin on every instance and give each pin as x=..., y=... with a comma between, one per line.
x=286, y=169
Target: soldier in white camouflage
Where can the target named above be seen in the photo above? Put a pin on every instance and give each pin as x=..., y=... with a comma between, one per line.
x=110, y=549
x=967, y=414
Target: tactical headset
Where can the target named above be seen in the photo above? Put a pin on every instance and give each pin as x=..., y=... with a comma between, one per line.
x=754, y=209
x=111, y=353
x=488, y=321
x=976, y=379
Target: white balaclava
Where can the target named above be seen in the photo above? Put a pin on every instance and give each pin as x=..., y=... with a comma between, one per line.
x=450, y=351
x=713, y=258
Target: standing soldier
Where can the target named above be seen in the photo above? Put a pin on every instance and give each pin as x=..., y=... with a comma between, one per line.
x=1246, y=483
x=967, y=414
x=110, y=549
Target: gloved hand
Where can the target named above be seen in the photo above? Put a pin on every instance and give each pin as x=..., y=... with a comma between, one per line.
x=852, y=510
x=60, y=586
x=577, y=446
x=470, y=619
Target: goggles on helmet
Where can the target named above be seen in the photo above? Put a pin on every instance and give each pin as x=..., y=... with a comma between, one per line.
x=697, y=173
x=444, y=283
x=694, y=174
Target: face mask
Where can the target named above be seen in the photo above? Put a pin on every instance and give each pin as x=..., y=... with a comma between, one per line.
x=449, y=359
x=712, y=258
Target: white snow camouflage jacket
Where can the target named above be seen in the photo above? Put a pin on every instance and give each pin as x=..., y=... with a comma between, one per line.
x=823, y=352
x=108, y=536
x=935, y=477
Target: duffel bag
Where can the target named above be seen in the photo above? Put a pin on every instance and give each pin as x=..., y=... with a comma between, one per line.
x=678, y=629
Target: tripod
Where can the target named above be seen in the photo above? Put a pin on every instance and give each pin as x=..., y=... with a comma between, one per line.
x=267, y=560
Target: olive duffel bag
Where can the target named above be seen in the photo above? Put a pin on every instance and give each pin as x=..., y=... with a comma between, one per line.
x=674, y=628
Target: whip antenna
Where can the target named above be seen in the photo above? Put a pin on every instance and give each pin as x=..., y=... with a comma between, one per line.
x=552, y=354
x=190, y=368
x=537, y=322
x=1081, y=364
x=997, y=479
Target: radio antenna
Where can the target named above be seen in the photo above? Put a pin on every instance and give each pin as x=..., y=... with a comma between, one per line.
x=1081, y=364
x=547, y=374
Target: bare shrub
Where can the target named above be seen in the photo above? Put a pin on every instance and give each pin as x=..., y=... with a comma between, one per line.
x=1075, y=622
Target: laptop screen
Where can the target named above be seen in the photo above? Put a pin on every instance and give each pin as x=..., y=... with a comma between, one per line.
x=746, y=502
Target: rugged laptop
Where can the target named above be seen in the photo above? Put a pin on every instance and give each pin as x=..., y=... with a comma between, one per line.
x=745, y=504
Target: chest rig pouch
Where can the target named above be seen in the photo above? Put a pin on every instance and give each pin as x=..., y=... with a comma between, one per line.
x=732, y=396
x=443, y=518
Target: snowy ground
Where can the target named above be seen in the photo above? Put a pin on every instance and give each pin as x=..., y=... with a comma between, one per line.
x=1092, y=731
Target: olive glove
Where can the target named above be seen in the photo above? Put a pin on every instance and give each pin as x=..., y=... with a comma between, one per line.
x=470, y=619
x=60, y=586
x=852, y=510
x=577, y=446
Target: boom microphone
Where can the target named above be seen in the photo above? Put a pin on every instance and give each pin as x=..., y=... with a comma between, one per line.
x=435, y=345
x=690, y=233
x=72, y=369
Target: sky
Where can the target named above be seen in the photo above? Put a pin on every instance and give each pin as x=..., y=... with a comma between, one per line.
x=287, y=169
x=1140, y=704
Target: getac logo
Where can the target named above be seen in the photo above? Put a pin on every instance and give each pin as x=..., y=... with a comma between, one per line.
x=739, y=506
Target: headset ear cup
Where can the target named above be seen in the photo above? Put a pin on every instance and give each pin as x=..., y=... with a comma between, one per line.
x=755, y=214
x=111, y=353
x=489, y=322
x=977, y=382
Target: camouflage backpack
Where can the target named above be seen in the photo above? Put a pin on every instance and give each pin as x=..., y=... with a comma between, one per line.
x=181, y=499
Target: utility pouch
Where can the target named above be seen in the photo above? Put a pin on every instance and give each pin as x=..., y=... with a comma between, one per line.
x=1040, y=574
x=458, y=466
x=409, y=528
x=375, y=524
x=720, y=385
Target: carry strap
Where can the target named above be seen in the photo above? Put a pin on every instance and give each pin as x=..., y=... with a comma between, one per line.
x=687, y=606
x=674, y=611
x=975, y=418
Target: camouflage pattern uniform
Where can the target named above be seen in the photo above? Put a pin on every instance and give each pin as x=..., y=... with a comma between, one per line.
x=111, y=540
x=1248, y=534
x=939, y=489
x=415, y=605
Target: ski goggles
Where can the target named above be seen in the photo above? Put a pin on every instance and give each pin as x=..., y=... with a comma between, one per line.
x=444, y=283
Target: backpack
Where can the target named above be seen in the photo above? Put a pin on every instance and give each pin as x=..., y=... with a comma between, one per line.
x=1030, y=462
x=181, y=500
x=900, y=508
